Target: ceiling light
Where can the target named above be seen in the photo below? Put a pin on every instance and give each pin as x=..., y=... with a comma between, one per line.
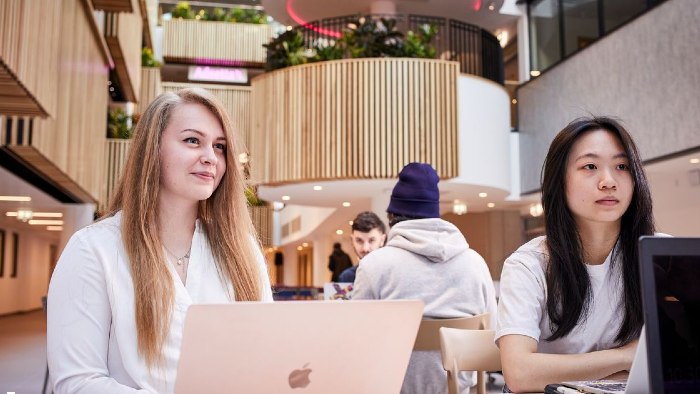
x=46, y=222
x=483, y=195
x=54, y=228
x=305, y=244
x=37, y=214
x=339, y=232
x=299, y=248
x=490, y=205
x=514, y=101
x=346, y=204
x=318, y=187
x=492, y=7
x=350, y=222
x=286, y=198
x=694, y=160
x=24, y=214
x=536, y=210
x=15, y=198
x=535, y=73
x=459, y=208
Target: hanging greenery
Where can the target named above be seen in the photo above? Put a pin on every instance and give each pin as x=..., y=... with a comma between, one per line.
x=147, y=59
x=237, y=14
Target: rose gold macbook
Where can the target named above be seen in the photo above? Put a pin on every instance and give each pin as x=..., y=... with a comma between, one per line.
x=300, y=347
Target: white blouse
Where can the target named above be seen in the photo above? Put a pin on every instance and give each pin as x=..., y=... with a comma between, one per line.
x=91, y=336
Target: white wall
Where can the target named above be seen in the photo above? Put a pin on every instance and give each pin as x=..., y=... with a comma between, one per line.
x=24, y=292
x=484, y=133
x=676, y=203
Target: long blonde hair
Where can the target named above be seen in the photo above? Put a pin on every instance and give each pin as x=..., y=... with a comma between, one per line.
x=224, y=217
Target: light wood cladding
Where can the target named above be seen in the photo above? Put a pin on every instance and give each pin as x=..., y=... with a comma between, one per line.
x=354, y=119
x=114, y=5
x=116, y=153
x=151, y=87
x=262, y=221
x=73, y=138
x=123, y=35
x=236, y=100
x=29, y=56
x=220, y=43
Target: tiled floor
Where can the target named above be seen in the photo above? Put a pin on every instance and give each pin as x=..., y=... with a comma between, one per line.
x=23, y=354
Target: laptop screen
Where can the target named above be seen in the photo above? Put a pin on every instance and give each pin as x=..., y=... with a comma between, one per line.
x=671, y=287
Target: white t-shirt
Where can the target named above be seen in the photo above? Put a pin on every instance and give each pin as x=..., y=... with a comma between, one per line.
x=91, y=335
x=522, y=308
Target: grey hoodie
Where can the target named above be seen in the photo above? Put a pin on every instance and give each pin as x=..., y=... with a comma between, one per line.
x=428, y=259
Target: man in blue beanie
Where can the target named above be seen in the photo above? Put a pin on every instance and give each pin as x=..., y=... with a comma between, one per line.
x=426, y=258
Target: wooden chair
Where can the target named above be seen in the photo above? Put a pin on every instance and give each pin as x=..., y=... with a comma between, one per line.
x=428, y=337
x=468, y=350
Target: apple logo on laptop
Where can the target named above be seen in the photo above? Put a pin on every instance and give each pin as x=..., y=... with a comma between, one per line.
x=299, y=378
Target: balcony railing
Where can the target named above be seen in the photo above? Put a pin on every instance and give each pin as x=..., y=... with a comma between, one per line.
x=477, y=51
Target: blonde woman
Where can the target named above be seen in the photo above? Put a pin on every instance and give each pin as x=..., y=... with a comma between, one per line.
x=178, y=233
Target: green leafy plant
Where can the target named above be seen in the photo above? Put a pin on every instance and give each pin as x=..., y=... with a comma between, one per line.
x=285, y=50
x=366, y=37
x=247, y=15
x=253, y=199
x=182, y=10
x=419, y=44
x=118, y=124
x=147, y=59
x=325, y=51
x=218, y=14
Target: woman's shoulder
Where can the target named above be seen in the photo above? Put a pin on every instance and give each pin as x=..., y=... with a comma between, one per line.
x=103, y=230
x=533, y=254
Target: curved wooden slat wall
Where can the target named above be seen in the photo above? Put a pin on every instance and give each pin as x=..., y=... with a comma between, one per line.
x=116, y=152
x=262, y=221
x=29, y=56
x=209, y=42
x=360, y=118
x=236, y=99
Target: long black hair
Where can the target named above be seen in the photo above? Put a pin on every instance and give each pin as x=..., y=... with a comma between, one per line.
x=568, y=283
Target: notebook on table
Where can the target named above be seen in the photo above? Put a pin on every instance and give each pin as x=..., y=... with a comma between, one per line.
x=298, y=347
x=667, y=360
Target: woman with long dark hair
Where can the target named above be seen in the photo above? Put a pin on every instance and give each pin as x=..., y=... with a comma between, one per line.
x=570, y=306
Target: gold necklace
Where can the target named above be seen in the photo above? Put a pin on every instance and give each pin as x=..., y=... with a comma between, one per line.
x=180, y=260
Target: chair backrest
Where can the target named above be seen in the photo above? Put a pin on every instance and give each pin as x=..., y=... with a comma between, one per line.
x=468, y=350
x=428, y=337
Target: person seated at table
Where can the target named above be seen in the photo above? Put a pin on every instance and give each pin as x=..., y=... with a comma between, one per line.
x=368, y=234
x=570, y=305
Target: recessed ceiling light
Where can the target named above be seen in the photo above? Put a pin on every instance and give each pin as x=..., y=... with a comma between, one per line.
x=15, y=198
x=490, y=205
x=285, y=198
x=54, y=228
x=318, y=187
x=305, y=244
x=346, y=204
x=694, y=160
x=514, y=101
x=46, y=222
x=483, y=195
x=350, y=222
x=339, y=232
x=535, y=73
x=299, y=248
x=39, y=214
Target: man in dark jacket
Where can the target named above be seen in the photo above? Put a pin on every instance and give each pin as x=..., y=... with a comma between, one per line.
x=338, y=262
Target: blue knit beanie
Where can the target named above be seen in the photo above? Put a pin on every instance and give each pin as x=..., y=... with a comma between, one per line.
x=416, y=193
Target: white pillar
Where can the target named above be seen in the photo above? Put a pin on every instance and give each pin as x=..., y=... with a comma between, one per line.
x=380, y=202
x=523, y=45
x=75, y=217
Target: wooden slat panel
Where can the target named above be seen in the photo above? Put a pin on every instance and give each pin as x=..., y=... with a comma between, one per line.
x=236, y=99
x=357, y=119
x=116, y=153
x=209, y=42
x=123, y=36
x=73, y=139
x=29, y=56
x=262, y=221
x=151, y=87
x=114, y=5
